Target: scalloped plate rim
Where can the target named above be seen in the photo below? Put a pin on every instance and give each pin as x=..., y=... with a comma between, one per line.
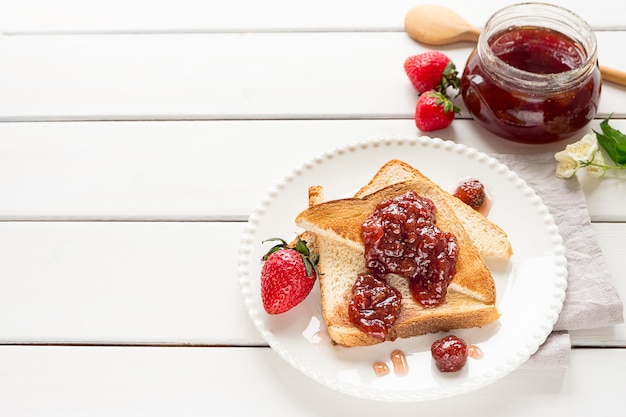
x=259, y=317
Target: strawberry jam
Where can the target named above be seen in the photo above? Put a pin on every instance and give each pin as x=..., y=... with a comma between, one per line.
x=375, y=306
x=529, y=83
x=401, y=237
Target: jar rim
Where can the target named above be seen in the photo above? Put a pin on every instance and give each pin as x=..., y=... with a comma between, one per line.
x=543, y=15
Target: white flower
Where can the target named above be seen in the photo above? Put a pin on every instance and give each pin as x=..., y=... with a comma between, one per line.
x=584, y=150
x=598, y=168
x=582, y=154
x=567, y=166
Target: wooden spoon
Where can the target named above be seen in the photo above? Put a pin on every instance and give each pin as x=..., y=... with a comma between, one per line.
x=438, y=25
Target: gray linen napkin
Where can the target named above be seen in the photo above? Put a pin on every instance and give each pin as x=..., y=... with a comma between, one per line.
x=592, y=300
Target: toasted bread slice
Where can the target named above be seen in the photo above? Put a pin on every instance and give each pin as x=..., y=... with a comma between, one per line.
x=492, y=242
x=333, y=229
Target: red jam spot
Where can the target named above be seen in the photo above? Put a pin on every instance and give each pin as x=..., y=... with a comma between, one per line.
x=400, y=237
x=471, y=192
x=375, y=306
x=531, y=116
x=400, y=365
x=449, y=353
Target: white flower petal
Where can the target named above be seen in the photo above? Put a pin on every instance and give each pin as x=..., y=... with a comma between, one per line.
x=565, y=168
x=564, y=156
x=599, y=159
x=597, y=171
x=594, y=171
x=584, y=149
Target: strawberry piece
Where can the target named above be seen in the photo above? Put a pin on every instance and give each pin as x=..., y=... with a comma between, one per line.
x=434, y=111
x=431, y=70
x=471, y=192
x=287, y=276
x=449, y=353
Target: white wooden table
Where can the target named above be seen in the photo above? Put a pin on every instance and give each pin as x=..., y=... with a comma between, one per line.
x=135, y=139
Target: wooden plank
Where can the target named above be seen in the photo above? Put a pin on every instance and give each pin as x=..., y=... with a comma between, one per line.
x=63, y=16
x=153, y=283
x=200, y=170
x=223, y=76
x=146, y=283
x=75, y=381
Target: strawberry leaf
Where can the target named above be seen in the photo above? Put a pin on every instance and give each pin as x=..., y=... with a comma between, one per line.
x=301, y=247
x=310, y=263
x=307, y=265
x=450, y=78
x=445, y=102
x=281, y=245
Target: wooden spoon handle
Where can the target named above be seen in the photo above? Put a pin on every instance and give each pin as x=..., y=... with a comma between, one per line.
x=613, y=75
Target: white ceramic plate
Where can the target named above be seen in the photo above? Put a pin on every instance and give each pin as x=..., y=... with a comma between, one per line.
x=530, y=289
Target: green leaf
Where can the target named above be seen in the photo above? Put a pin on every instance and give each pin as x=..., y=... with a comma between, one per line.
x=442, y=100
x=275, y=248
x=612, y=141
x=301, y=247
x=450, y=78
x=307, y=265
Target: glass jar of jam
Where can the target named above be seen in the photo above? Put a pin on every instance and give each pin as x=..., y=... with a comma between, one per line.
x=533, y=76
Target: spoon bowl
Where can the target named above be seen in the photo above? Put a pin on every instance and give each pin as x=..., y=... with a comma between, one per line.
x=437, y=25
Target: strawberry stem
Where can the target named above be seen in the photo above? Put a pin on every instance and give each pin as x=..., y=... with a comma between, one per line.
x=450, y=78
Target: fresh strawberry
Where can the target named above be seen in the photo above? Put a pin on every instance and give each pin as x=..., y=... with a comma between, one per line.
x=434, y=111
x=432, y=70
x=287, y=276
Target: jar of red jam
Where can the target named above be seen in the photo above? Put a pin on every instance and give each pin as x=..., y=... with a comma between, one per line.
x=533, y=76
